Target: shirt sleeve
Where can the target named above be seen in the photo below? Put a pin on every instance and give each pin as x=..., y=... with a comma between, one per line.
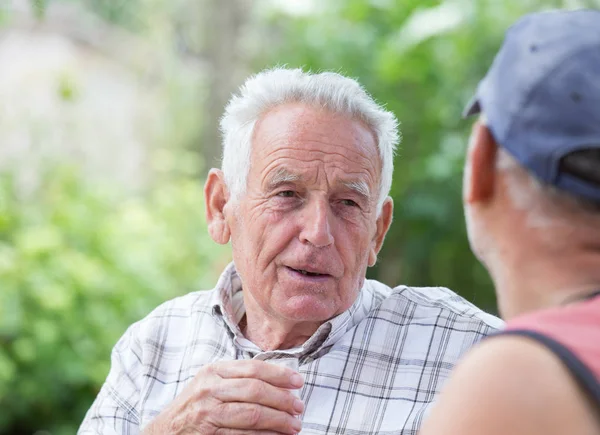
x=115, y=410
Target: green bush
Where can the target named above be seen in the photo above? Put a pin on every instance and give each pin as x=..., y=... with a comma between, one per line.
x=78, y=264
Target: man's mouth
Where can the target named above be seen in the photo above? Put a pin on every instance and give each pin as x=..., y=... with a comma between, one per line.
x=308, y=273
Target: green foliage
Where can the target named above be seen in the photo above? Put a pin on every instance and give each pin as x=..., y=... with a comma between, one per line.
x=124, y=13
x=39, y=8
x=78, y=264
x=67, y=88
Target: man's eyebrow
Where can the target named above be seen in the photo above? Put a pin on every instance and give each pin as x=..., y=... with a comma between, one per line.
x=280, y=177
x=360, y=187
x=283, y=176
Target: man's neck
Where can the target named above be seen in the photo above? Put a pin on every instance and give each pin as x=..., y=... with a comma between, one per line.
x=535, y=281
x=269, y=334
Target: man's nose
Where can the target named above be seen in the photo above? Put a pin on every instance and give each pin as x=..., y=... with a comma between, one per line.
x=316, y=225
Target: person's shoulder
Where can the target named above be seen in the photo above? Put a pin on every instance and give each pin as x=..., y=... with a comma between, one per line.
x=176, y=313
x=185, y=305
x=509, y=384
x=508, y=363
x=423, y=303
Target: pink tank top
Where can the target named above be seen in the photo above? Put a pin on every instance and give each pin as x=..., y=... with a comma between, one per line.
x=572, y=333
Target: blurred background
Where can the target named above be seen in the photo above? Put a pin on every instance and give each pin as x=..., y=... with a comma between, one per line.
x=108, y=126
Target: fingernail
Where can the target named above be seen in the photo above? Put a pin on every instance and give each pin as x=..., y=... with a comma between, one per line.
x=296, y=380
x=297, y=425
x=298, y=406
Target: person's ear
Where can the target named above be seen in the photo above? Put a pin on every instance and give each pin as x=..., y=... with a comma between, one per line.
x=480, y=167
x=383, y=225
x=216, y=196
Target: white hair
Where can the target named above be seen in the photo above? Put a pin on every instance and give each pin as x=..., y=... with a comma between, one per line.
x=328, y=90
x=544, y=204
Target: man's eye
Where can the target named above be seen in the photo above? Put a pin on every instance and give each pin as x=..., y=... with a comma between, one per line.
x=349, y=203
x=286, y=194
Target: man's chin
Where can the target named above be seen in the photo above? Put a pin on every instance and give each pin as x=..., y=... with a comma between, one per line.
x=308, y=308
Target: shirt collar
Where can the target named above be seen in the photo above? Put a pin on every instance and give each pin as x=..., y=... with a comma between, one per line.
x=228, y=304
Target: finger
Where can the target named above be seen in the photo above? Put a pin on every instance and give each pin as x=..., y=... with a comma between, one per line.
x=278, y=376
x=259, y=392
x=248, y=416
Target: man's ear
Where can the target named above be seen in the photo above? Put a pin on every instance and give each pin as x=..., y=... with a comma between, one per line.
x=480, y=167
x=216, y=196
x=383, y=225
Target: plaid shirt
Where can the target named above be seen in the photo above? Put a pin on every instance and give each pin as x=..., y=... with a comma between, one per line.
x=375, y=368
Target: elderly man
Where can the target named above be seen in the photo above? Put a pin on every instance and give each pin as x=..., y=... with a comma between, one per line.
x=303, y=197
x=532, y=201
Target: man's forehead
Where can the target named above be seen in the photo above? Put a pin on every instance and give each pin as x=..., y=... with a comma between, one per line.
x=293, y=125
x=301, y=143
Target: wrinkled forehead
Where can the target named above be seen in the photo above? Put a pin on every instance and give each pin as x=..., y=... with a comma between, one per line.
x=297, y=137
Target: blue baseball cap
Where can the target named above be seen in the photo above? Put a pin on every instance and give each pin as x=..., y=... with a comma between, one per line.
x=541, y=98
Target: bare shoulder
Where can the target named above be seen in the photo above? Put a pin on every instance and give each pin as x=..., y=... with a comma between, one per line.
x=511, y=384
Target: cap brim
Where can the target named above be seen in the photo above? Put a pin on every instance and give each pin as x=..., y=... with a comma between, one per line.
x=472, y=108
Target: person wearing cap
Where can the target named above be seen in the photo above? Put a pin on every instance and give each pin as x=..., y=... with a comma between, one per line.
x=532, y=206
x=302, y=195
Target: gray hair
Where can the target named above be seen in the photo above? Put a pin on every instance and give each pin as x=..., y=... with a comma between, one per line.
x=544, y=204
x=329, y=90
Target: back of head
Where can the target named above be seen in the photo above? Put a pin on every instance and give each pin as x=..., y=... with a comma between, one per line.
x=541, y=99
x=327, y=90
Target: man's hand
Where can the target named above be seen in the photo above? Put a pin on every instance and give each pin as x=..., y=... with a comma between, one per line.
x=234, y=397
